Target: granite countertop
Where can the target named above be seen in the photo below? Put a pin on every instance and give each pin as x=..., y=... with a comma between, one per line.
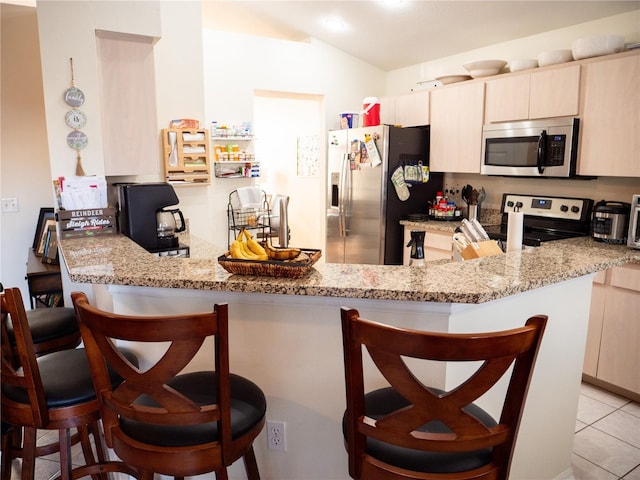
x=117, y=260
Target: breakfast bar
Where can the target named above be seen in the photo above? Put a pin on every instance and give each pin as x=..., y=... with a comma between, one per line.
x=285, y=333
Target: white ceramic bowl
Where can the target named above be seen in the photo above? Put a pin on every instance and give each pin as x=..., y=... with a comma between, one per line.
x=484, y=68
x=552, y=57
x=597, y=45
x=522, y=64
x=447, y=79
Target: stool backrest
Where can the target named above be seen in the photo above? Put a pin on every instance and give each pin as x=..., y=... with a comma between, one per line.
x=388, y=346
x=185, y=334
x=19, y=363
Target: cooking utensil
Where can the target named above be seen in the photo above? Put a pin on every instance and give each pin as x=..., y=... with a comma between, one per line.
x=466, y=193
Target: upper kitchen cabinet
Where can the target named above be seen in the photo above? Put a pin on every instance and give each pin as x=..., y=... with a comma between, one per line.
x=457, y=113
x=549, y=93
x=409, y=110
x=129, y=120
x=610, y=122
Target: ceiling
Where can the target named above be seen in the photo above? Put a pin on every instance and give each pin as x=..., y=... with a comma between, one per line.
x=415, y=31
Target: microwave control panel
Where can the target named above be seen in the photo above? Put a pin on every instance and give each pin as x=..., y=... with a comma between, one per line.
x=543, y=206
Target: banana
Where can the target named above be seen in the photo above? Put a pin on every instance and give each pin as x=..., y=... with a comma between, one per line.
x=248, y=254
x=236, y=250
x=240, y=250
x=254, y=246
x=281, y=253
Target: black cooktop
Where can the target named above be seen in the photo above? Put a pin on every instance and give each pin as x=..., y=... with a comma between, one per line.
x=530, y=238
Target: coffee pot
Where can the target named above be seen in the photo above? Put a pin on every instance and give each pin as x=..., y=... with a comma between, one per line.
x=167, y=226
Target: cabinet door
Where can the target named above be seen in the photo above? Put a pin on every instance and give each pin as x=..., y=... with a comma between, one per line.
x=457, y=113
x=596, y=317
x=129, y=123
x=619, y=362
x=507, y=99
x=412, y=109
x=610, y=143
x=388, y=110
x=555, y=92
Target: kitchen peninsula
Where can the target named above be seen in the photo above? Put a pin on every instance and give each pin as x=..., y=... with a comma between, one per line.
x=285, y=333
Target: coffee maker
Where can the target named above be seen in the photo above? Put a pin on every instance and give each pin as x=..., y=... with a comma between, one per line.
x=141, y=205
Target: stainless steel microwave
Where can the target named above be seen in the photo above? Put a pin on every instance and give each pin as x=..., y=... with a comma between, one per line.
x=531, y=148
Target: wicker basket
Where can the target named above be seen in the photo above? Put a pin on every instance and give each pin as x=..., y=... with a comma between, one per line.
x=270, y=268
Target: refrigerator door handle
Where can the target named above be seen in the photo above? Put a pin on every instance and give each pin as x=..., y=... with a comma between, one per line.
x=342, y=220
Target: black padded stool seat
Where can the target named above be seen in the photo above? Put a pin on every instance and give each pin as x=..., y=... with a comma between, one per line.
x=48, y=324
x=66, y=379
x=382, y=401
x=248, y=406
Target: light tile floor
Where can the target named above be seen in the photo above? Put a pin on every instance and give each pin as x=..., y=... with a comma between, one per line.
x=606, y=443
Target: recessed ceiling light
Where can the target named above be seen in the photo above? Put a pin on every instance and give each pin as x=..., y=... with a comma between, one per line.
x=335, y=24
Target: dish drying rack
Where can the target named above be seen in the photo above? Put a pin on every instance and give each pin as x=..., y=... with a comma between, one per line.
x=256, y=219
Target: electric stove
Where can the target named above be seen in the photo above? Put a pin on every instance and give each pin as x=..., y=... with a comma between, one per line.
x=546, y=218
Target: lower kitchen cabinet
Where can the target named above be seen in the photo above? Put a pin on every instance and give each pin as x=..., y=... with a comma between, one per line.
x=438, y=244
x=612, y=357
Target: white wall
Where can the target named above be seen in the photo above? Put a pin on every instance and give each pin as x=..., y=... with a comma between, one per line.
x=24, y=158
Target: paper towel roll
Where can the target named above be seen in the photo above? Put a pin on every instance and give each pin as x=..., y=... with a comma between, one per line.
x=514, y=231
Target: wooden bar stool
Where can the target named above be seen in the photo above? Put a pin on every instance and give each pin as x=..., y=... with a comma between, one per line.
x=411, y=431
x=49, y=392
x=159, y=420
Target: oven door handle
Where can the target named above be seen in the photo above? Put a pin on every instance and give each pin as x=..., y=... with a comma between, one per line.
x=542, y=151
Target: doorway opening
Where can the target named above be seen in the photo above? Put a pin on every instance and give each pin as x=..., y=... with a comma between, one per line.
x=290, y=131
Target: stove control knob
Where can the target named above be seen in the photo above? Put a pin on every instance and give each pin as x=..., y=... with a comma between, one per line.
x=575, y=209
x=564, y=208
x=510, y=203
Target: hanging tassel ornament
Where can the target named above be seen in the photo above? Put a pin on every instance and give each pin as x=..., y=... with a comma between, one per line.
x=76, y=119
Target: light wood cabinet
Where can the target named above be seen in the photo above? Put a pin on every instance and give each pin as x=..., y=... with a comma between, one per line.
x=545, y=94
x=613, y=354
x=610, y=118
x=457, y=113
x=438, y=244
x=128, y=100
x=410, y=110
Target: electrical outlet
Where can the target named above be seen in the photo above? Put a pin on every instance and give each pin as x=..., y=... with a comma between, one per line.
x=10, y=205
x=276, y=439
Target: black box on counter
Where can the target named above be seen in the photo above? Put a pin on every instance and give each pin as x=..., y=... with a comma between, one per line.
x=86, y=222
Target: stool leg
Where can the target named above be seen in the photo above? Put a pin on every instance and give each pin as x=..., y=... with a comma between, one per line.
x=28, y=453
x=8, y=444
x=251, y=465
x=64, y=438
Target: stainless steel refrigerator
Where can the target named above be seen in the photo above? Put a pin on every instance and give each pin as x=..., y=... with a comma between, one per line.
x=364, y=205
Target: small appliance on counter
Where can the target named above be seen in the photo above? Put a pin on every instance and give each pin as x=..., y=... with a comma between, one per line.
x=545, y=218
x=610, y=221
x=143, y=217
x=633, y=236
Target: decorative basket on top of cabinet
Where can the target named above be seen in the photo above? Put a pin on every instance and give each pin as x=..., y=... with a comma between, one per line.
x=186, y=156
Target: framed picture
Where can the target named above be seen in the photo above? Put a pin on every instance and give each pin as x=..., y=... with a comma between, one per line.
x=45, y=220
x=50, y=252
x=44, y=214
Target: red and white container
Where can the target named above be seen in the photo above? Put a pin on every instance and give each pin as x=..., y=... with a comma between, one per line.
x=370, y=112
